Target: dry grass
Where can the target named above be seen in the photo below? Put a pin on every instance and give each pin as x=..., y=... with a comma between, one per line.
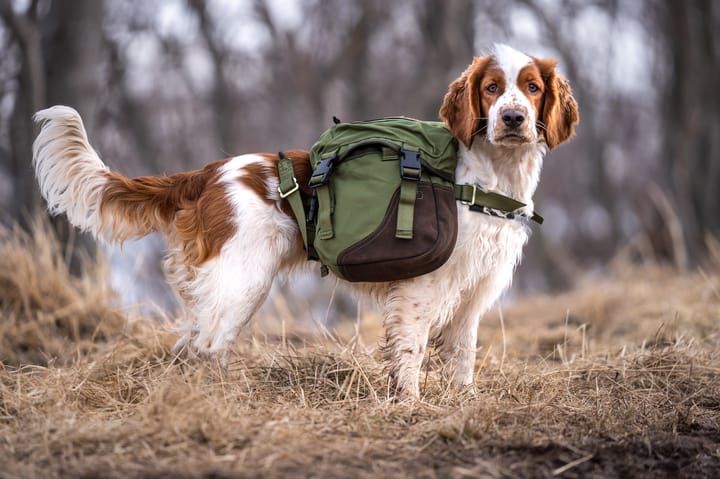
x=617, y=378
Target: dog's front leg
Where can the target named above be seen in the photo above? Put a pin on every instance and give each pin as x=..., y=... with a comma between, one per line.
x=408, y=315
x=457, y=343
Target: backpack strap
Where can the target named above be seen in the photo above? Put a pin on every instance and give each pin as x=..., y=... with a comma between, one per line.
x=410, y=173
x=319, y=184
x=290, y=191
x=485, y=201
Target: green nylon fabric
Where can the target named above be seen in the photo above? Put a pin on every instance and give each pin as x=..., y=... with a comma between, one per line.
x=474, y=195
x=404, y=225
x=487, y=198
x=366, y=174
x=288, y=188
x=437, y=146
x=325, y=230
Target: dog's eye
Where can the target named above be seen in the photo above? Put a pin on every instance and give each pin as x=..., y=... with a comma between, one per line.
x=533, y=87
x=491, y=88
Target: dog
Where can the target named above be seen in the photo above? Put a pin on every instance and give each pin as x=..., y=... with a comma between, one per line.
x=229, y=233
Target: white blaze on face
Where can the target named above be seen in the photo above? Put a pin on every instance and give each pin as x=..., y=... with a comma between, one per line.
x=511, y=62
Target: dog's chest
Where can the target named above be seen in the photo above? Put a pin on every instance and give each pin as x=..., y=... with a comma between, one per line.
x=487, y=247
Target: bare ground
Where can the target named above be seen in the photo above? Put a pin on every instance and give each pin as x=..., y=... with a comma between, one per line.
x=618, y=378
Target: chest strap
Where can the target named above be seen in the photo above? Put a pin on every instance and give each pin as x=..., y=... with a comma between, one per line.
x=492, y=203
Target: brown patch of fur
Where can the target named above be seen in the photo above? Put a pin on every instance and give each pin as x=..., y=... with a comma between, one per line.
x=462, y=108
x=193, y=204
x=492, y=74
x=560, y=110
x=531, y=74
x=255, y=177
x=205, y=225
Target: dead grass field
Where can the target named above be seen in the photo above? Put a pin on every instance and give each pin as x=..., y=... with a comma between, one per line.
x=618, y=378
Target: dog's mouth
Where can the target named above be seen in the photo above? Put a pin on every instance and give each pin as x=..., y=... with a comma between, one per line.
x=513, y=138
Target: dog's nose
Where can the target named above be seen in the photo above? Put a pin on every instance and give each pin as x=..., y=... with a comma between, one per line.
x=513, y=118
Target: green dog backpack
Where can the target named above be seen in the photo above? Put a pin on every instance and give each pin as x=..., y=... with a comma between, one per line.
x=386, y=208
x=383, y=204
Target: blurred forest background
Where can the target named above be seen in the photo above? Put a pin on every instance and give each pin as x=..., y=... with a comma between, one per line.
x=171, y=85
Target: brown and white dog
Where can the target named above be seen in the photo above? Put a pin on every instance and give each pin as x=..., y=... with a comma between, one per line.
x=229, y=233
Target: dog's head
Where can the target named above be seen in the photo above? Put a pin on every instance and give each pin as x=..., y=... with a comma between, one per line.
x=510, y=99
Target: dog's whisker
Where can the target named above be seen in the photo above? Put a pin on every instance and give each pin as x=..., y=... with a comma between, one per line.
x=479, y=130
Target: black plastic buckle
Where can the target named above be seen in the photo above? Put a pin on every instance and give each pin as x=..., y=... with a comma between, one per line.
x=321, y=174
x=312, y=208
x=410, y=167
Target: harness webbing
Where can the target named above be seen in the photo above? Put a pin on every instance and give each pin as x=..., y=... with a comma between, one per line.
x=290, y=190
x=486, y=201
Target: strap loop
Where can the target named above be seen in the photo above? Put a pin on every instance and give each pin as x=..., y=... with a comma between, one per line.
x=292, y=190
x=472, y=199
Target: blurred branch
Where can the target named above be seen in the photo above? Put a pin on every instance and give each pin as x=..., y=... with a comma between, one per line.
x=221, y=96
x=263, y=12
x=134, y=116
x=691, y=143
x=599, y=185
x=25, y=31
x=30, y=97
x=448, y=37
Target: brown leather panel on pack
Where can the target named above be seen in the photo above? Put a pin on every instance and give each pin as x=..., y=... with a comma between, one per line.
x=383, y=257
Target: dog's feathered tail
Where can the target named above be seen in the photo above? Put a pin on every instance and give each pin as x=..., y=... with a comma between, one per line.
x=74, y=180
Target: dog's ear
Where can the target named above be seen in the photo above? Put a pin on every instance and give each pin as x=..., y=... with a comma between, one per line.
x=461, y=109
x=560, y=110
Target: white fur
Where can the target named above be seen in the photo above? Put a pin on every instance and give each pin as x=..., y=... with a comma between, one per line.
x=228, y=290
x=223, y=293
x=510, y=60
x=74, y=185
x=511, y=63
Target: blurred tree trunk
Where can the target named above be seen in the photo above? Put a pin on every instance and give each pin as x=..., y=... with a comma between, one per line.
x=448, y=31
x=690, y=108
x=357, y=59
x=30, y=97
x=596, y=183
x=59, y=54
x=221, y=90
x=72, y=46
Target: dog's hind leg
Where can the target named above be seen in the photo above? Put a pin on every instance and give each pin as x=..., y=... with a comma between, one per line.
x=228, y=291
x=236, y=273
